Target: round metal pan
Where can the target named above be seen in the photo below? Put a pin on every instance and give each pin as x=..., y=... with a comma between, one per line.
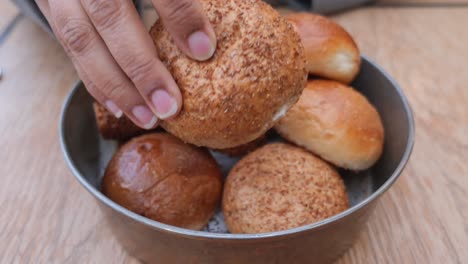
x=322, y=242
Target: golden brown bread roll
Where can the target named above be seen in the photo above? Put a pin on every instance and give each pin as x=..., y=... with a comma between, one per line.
x=111, y=127
x=160, y=177
x=337, y=123
x=330, y=51
x=279, y=187
x=244, y=149
x=256, y=74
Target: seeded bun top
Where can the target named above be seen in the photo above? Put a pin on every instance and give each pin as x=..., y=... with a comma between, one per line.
x=256, y=74
x=278, y=187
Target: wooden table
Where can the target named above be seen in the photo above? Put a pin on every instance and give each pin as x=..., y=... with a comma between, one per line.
x=47, y=217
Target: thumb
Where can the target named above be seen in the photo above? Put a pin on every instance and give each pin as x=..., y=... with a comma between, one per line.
x=188, y=25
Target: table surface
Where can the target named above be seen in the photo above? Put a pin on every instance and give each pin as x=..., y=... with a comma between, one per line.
x=47, y=217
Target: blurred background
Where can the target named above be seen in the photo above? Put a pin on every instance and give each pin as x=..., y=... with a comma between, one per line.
x=46, y=218
x=30, y=9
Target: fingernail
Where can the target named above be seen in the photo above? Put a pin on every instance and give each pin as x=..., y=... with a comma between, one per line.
x=113, y=108
x=145, y=116
x=164, y=104
x=201, y=46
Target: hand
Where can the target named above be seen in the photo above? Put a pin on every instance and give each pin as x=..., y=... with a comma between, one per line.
x=115, y=56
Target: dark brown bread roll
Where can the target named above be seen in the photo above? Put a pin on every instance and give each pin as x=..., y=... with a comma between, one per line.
x=111, y=127
x=160, y=177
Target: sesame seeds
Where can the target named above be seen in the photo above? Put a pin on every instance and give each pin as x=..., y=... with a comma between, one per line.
x=238, y=91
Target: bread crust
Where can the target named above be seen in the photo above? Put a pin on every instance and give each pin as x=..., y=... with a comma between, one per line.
x=337, y=123
x=330, y=50
x=257, y=71
x=111, y=127
x=160, y=177
x=244, y=149
x=279, y=187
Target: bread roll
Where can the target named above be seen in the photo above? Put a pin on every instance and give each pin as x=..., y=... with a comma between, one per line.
x=160, y=177
x=279, y=187
x=330, y=51
x=256, y=74
x=337, y=123
x=111, y=127
x=244, y=149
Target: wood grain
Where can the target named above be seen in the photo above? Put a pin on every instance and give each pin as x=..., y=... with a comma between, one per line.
x=47, y=217
x=424, y=218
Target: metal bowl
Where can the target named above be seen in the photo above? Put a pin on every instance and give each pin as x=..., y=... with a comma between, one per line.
x=321, y=242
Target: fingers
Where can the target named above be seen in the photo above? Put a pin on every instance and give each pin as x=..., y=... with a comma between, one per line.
x=189, y=27
x=120, y=27
x=103, y=77
x=44, y=7
x=101, y=37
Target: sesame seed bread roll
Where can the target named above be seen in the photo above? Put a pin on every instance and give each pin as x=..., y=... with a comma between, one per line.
x=279, y=187
x=244, y=149
x=256, y=74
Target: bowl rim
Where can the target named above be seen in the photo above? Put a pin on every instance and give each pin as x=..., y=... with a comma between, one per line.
x=207, y=235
